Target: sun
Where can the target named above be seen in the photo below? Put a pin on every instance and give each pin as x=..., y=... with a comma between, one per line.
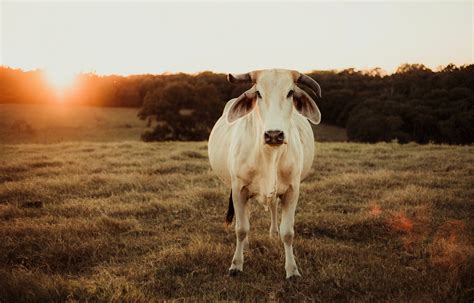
x=60, y=79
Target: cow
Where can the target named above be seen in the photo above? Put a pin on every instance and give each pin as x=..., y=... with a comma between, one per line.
x=262, y=147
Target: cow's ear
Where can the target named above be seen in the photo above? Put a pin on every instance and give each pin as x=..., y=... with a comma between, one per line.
x=242, y=106
x=306, y=106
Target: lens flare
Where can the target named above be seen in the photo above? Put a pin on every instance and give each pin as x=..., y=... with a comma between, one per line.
x=60, y=79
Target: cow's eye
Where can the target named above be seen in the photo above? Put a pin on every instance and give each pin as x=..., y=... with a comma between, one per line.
x=258, y=95
x=290, y=94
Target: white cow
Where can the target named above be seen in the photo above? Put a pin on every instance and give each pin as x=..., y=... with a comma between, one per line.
x=262, y=147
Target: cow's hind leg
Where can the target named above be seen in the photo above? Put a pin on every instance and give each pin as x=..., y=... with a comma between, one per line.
x=230, y=211
x=230, y=217
x=242, y=226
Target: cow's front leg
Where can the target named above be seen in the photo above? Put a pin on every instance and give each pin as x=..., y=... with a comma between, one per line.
x=242, y=226
x=288, y=206
x=274, y=217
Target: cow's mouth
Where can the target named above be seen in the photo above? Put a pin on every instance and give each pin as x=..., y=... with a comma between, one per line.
x=275, y=144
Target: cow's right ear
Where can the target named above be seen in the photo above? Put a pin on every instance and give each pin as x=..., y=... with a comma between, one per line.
x=306, y=106
x=243, y=105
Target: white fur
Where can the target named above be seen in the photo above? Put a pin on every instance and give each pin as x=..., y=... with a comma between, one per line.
x=256, y=171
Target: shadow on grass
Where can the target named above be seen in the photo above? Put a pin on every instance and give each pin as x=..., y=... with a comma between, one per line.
x=373, y=229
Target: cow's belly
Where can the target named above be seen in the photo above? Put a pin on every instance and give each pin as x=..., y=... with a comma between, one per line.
x=218, y=149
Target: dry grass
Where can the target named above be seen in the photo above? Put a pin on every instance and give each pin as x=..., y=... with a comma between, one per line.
x=132, y=221
x=60, y=123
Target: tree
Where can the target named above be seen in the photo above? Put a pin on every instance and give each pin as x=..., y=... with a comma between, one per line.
x=182, y=111
x=413, y=104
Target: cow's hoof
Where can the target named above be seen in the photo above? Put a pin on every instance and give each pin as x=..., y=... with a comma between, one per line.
x=294, y=276
x=234, y=272
x=293, y=279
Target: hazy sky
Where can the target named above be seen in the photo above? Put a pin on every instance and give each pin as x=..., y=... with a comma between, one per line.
x=154, y=37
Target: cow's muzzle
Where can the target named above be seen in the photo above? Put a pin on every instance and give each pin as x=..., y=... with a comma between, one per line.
x=274, y=137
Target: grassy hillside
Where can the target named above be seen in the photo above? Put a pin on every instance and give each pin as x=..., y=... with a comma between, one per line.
x=65, y=123
x=131, y=221
x=60, y=123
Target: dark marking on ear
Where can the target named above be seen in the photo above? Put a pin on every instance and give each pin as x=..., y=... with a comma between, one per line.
x=306, y=106
x=298, y=104
x=242, y=106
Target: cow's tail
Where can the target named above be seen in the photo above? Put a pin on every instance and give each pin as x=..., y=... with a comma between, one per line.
x=230, y=211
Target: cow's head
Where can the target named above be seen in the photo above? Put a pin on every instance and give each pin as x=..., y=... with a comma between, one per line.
x=274, y=96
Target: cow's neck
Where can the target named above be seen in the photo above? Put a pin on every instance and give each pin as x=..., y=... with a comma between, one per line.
x=265, y=157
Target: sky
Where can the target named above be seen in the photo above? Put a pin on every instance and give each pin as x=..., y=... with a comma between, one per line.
x=120, y=37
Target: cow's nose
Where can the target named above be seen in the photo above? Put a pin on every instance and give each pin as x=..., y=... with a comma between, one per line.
x=274, y=137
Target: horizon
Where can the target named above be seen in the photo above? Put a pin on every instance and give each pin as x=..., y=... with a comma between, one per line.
x=383, y=72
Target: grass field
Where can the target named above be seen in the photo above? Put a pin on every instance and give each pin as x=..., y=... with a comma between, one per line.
x=133, y=221
x=60, y=123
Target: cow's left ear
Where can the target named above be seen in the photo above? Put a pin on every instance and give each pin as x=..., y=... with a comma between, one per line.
x=306, y=106
x=242, y=106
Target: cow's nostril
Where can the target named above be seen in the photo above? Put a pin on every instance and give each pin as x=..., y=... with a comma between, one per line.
x=267, y=137
x=274, y=137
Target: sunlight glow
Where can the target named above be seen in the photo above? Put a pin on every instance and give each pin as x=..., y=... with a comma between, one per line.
x=60, y=79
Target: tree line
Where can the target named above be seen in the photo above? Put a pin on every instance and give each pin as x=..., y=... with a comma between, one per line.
x=413, y=104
